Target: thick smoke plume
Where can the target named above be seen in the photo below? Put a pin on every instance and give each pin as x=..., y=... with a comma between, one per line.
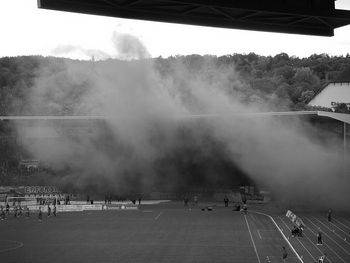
x=152, y=139
x=129, y=46
x=125, y=46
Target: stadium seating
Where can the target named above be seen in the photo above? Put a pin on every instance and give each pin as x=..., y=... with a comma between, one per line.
x=11, y=170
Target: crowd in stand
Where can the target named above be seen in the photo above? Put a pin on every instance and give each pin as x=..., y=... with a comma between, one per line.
x=11, y=170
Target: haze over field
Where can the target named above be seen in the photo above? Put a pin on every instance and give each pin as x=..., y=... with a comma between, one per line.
x=151, y=142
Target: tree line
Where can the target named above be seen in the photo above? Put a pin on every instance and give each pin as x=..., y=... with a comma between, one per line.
x=280, y=82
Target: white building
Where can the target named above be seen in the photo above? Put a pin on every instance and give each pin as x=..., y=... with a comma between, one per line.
x=332, y=95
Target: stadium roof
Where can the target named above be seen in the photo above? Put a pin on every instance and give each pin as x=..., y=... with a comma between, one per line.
x=293, y=16
x=315, y=115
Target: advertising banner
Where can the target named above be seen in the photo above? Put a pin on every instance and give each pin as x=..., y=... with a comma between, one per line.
x=92, y=207
x=35, y=208
x=66, y=208
x=73, y=208
x=162, y=195
x=41, y=190
x=295, y=219
x=121, y=207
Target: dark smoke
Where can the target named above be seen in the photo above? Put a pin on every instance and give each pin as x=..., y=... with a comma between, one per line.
x=150, y=142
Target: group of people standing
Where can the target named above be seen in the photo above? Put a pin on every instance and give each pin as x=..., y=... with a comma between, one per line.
x=40, y=212
x=195, y=200
x=18, y=212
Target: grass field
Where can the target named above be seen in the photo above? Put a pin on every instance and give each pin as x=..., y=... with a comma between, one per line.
x=168, y=232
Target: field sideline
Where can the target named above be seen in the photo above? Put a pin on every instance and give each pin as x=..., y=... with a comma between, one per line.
x=167, y=232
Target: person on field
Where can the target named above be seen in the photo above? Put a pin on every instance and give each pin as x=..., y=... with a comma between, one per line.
x=319, y=237
x=139, y=198
x=237, y=207
x=20, y=209
x=284, y=255
x=48, y=210
x=295, y=231
x=329, y=215
x=27, y=213
x=40, y=214
x=323, y=258
x=54, y=211
x=245, y=209
x=186, y=201
x=7, y=208
x=195, y=199
x=3, y=213
x=226, y=201
x=15, y=211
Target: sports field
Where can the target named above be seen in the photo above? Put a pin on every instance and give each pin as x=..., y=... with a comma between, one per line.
x=171, y=232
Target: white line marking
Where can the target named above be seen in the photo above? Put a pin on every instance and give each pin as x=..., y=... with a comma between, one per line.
x=301, y=242
x=158, y=215
x=250, y=233
x=341, y=223
x=326, y=225
x=326, y=243
x=290, y=245
x=12, y=248
x=89, y=213
x=259, y=233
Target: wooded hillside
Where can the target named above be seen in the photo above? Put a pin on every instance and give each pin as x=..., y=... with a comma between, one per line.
x=36, y=85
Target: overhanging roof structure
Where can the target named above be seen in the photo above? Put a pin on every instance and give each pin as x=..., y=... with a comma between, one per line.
x=312, y=17
x=312, y=115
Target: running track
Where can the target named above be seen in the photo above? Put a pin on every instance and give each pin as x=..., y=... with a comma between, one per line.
x=336, y=236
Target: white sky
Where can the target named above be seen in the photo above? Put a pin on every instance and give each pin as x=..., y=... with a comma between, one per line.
x=28, y=30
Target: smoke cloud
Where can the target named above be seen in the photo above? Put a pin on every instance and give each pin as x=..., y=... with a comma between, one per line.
x=125, y=46
x=129, y=46
x=152, y=141
x=63, y=50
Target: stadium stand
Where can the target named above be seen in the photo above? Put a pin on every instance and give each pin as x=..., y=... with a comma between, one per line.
x=14, y=168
